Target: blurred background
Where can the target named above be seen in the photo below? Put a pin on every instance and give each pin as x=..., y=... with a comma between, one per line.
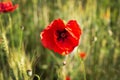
x=21, y=51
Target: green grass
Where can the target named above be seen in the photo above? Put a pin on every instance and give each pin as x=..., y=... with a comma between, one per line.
x=21, y=49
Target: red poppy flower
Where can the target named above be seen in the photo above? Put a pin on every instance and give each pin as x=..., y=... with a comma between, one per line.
x=67, y=78
x=7, y=7
x=82, y=55
x=61, y=38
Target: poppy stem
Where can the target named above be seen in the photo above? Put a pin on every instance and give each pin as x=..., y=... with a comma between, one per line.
x=21, y=38
x=84, y=72
x=11, y=30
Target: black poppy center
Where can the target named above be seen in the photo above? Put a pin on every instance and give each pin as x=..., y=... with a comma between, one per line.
x=61, y=35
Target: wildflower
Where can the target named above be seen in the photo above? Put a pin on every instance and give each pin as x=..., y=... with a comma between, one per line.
x=67, y=78
x=61, y=38
x=82, y=55
x=7, y=7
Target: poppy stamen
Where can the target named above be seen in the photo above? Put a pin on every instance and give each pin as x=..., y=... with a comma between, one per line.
x=61, y=35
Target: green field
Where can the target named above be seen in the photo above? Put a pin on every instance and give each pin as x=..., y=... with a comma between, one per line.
x=21, y=51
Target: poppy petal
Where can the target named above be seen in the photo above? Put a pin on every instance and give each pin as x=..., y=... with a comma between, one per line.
x=73, y=27
x=47, y=36
x=73, y=37
x=7, y=7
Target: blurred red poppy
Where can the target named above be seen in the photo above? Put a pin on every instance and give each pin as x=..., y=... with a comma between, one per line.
x=7, y=7
x=67, y=78
x=82, y=55
x=61, y=38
